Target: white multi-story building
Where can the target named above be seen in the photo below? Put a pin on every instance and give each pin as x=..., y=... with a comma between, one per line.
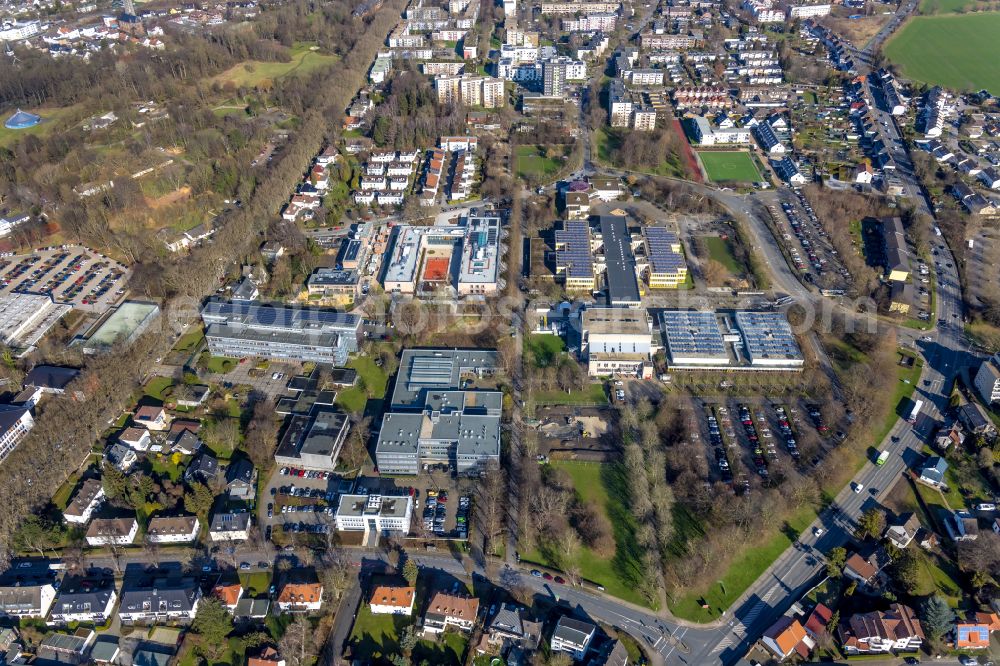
x=601, y=21
x=484, y=91
x=374, y=513
x=112, y=531
x=160, y=600
x=84, y=502
x=988, y=380
x=392, y=600
x=13, y=31
x=85, y=600
x=15, y=423
x=173, y=529
x=806, y=11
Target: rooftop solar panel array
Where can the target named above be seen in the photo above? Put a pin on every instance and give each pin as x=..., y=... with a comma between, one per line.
x=768, y=335
x=575, y=256
x=265, y=315
x=693, y=334
x=662, y=257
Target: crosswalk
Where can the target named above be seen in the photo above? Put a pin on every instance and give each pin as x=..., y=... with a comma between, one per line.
x=740, y=626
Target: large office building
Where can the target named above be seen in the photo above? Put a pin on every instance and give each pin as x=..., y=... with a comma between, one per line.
x=264, y=330
x=314, y=442
x=465, y=258
x=615, y=256
x=374, y=514
x=664, y=266
x=436, y=419
x=618, y=341
x=574, y=257
x=740, y=340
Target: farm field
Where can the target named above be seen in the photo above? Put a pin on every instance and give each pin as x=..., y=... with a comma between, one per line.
x=954, y=51
x=255, y=73
x=729, y=166
x=930, y=7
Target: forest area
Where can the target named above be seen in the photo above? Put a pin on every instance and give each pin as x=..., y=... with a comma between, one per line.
x=67, y=427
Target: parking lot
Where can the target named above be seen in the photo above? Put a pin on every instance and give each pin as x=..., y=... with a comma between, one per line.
x=71, y=274
x=304, y=502
x=809, y=245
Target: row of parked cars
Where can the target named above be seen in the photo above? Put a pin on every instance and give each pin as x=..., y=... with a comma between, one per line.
x=721, y=459
x=785, y=427
x=303, y=473
x=751, y=432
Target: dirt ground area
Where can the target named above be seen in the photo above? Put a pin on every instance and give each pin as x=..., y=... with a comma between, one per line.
x=582, y=433
x=857, y=31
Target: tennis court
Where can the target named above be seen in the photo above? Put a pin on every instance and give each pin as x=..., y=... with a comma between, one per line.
x=436, y=269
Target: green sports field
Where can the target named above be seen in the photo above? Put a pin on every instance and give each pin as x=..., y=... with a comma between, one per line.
x=729, y=166
x=959, y=52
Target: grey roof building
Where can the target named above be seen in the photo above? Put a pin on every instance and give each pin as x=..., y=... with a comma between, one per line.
x=26, y=595
x=159, y=600
x=263, y=330
x=423, y=370
x=241, y=479
x=314, y=441
x=934, y=470
x=573, y=636
x=85, y=599
x=623, y=288
x=460, y=429
x=203, y=468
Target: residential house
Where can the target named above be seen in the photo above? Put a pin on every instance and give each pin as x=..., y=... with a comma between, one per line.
x=26, y=596
x=960, y=525
x=51, y=378
x=786, y=637
x=972, y=636
x=990, y=177
x=903, y=531
x=241, y=479
x=192, y=396
x=229, y=594
x=267, y=657
x=186, y=443
x=577, y=205
x=159, y=600
x=392, y=600
x=173, y=529
x=151, y=417
x=300, y=597
x=509, y=627
x=65, y=648
x=573, y=636
x=85, y=599
x=136, y=438
x=933, y=471
x=612, y=653
x=230, y=526
x=897, y=629
x=860, y=569
x=452, y=610
x=975, y=420
x=203, y=468
x=121, y=456
x=112, y=531
x=84, y=503
x=817, y=624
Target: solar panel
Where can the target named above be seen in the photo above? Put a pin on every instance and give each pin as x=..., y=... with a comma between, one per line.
x=693, y=334
x=575, y=256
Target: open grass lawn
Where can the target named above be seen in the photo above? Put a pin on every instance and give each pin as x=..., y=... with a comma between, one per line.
x=958, y=51
x=729, y=166
x=51, y=119
x=447, y=650
x=372, y=380
x=604, y=485
x=593, y=395
x=256, y=583
x=158, y=388
x=375, y=637
x=255, y=73
x=532, y=161
x=544, y=349
x=166, y=466
x=942, y=6
x=966, y=485
x=720, y=251
x=220, y=365
x=188, y=342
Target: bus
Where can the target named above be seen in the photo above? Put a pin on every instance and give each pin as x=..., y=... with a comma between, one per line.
x=882, y=457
